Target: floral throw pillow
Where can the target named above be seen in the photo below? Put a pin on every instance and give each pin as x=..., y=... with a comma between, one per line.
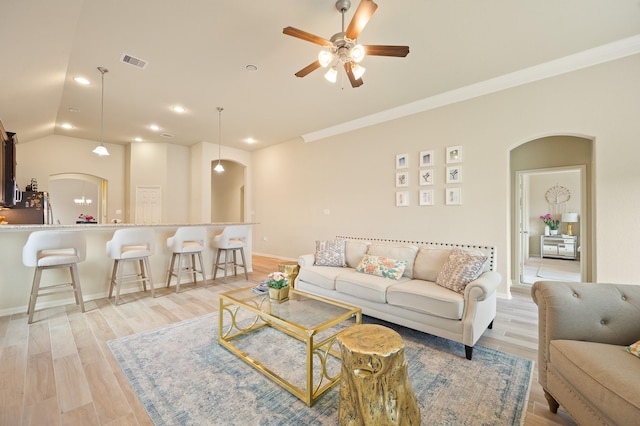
x=382, y=266
x=330, y=253
x=634, y=349
x=460, y=269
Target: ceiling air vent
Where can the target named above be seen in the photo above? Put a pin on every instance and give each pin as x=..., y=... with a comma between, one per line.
x=166, y=135
x=138, y=63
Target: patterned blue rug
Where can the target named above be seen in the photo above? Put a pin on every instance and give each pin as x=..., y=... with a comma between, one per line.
x=183, y=377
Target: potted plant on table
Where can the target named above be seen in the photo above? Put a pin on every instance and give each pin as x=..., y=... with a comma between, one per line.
x=278, y=286
x=553, y=225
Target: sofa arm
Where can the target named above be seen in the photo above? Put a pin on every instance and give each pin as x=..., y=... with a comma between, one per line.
x=306, y=260
x=483, y=286
x=602, y=313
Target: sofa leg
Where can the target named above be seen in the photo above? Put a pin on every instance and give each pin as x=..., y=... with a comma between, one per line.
x=490, y=325
x=553, y=404
x=468, y=351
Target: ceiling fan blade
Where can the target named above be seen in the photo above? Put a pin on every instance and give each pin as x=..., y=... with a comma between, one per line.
x=378, y=50
x=364, y=12
x=294, y=32
x=308, y=69
x=352, y=78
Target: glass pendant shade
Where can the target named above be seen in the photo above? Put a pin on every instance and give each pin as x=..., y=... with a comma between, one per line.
x=101, y=150
x=325, y=57
x=357, y=53
x=358, y=71
x=218, y=168
x=332, y=74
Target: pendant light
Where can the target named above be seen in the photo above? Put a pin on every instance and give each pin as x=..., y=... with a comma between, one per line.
x=218, y=168
x=101, y=150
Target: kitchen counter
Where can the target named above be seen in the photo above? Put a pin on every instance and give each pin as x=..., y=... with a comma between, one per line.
x=95, y=271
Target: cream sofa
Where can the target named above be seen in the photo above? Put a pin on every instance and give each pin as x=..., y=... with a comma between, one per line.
x=414, y=300
x=582, y=363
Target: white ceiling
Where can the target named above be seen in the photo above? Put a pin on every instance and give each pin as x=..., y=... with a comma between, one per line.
x=197, y=51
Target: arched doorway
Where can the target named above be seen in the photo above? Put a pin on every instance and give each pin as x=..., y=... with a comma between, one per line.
x=549, y=162
x=73, y=194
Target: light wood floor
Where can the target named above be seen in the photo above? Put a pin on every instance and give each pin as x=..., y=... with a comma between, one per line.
x=59, y=370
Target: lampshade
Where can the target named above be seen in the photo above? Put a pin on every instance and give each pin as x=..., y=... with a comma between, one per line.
x=325, y=57
x=569, y=217
x=357, y=53
x=332, y=74
x=358, y=71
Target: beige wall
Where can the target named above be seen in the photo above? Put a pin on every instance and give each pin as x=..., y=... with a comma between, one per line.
x=352, y=175
x=55, y=154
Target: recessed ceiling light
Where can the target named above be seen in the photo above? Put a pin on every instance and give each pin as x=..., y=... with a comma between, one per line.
x=72, y=109
x=66, y=126
x=81, y=80
x=251, y=67
x=138, y=139
x=154, y=127
x=179, y=109
x=250, y=140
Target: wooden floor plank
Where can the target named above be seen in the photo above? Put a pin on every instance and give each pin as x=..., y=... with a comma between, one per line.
x=61, y=363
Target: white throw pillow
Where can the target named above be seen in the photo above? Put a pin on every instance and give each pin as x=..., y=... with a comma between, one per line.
x=330, y=253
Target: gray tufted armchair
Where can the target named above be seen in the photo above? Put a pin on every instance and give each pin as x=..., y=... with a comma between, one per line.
x=583, y=329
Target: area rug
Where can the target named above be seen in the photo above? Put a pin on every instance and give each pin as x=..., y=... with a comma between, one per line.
x=183, y=377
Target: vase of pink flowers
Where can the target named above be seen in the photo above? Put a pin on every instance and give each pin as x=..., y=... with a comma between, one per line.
x=551, y=225
x=278, y=286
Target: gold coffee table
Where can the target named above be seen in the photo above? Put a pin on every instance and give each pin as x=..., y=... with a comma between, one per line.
x=312, y=320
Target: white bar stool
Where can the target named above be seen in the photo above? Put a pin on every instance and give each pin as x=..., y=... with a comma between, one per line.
x=231, y=240
x=188, y=241
x=131, y=244
x=54, y=249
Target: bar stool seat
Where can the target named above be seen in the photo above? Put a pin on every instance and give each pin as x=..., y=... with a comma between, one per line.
x=230, y=241
x=54, y=249
x=131, y=245
x=188, y=241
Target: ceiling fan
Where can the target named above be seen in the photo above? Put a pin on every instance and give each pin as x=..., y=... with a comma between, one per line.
x=342, y=48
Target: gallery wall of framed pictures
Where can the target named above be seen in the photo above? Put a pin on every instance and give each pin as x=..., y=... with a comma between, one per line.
x=428, y=175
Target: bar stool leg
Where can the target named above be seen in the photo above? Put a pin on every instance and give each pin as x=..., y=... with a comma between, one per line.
x=244, y=264
x=113, y=277
x=35, y=288
x=170, y=273
x=148, y=276
x=118, y=282
x=179, y=272
x=215, y=265
x=75, y=281
x=204, y=278
x=226, y=264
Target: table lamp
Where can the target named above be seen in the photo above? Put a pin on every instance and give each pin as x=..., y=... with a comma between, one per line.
x=569, y=218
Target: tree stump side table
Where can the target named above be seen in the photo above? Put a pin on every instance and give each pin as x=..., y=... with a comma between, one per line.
x=291, y=269
x=374, y=383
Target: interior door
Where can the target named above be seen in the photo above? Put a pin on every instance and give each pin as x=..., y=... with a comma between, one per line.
x=523, y=225
x=148, y=204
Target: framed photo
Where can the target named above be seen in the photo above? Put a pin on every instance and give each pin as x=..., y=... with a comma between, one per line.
x=402, y=179
x=402, y=161
x=454, y=154
x=426, y=158
x=453, y=196
x=402, y=198
x=426, y=177
x=426, y=197
x=454, y=174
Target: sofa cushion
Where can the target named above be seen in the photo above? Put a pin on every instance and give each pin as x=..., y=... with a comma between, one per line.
x=354, y=251
x=605, y=376
x=365, y=286
x=382, y=266
x=461, y=268
x=429, y=262
x=426, y=297
x=330, y=253
x=406, y=252
x=322, y=276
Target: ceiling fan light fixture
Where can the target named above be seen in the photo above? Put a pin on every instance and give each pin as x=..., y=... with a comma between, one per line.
x=357, y=53
x=358, y=71
x=331, y=75
x=325, y=57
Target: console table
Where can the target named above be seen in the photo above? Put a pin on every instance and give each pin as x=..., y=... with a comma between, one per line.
x=559, y=246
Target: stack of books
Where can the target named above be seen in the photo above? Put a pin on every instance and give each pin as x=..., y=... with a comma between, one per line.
x=261, y=288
